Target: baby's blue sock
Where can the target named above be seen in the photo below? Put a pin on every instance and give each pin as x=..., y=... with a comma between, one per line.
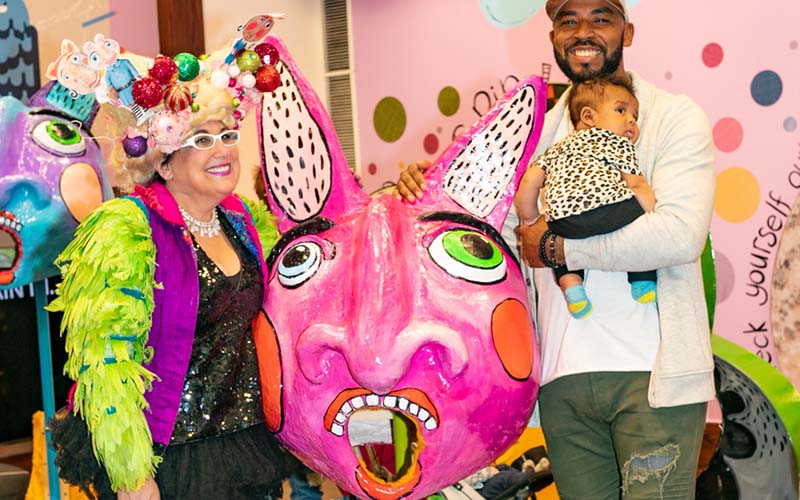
x=644, y=291
x=578, y=303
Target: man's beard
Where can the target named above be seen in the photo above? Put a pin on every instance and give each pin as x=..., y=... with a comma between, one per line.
x=610, y=64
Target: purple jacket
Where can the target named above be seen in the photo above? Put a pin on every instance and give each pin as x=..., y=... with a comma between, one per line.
x=176, y=302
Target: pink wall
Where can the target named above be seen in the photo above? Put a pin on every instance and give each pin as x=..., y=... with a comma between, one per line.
x=411, y=49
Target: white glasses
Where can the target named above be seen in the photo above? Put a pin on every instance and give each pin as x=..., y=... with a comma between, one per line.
x=204, y=140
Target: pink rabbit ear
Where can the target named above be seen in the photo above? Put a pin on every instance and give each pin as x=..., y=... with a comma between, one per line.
x=304, y=169
x=480, y=171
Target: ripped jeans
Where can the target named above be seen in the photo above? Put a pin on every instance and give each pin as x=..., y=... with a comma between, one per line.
x=605, y=442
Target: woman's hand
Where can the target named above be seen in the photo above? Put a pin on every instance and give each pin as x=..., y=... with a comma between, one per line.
x=411, y=183
x=148, y=491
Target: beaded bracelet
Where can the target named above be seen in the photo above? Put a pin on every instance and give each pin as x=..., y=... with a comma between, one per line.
x=553, y=261
x=548, y=260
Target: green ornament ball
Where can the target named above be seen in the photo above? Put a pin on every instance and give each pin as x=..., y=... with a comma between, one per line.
x=188, y=66
x=248, y=61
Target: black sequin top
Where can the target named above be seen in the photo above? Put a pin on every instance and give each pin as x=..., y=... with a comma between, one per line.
x=221, y=392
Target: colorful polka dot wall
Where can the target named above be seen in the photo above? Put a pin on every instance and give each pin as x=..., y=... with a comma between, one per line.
x=449, y=73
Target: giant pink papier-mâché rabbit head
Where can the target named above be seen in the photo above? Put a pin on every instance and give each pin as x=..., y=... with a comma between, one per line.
x=396, y=349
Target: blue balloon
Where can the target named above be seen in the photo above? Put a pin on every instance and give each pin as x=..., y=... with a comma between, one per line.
x=509, y=13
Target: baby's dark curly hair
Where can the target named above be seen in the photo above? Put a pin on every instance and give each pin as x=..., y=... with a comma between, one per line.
x=591, y=93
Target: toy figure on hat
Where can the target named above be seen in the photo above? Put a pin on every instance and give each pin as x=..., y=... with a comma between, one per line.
x=72, y=70
x=120, y=74
x=253, y=31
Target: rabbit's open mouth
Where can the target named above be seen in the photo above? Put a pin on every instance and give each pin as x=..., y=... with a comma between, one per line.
x=386, y=435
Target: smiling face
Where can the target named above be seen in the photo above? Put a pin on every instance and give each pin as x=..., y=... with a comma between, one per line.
x=396, y=349
x=588, y=37
x=256, y=28
x=202, y=177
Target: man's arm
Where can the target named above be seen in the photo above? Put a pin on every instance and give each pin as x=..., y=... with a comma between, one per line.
x=683, y=181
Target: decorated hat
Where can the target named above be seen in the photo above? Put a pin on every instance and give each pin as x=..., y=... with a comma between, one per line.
x=151, y=104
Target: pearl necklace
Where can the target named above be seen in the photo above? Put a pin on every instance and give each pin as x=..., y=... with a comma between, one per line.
x=200, y=228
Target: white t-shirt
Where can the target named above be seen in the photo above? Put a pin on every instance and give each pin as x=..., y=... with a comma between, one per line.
x=621, y=335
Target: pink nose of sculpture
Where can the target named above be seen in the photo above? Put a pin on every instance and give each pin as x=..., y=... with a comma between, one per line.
x=387, y=325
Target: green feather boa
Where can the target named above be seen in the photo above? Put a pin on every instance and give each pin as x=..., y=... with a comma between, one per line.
x=107, y=298
x=265, y=224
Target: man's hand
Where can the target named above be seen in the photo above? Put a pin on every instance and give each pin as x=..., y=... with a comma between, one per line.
x=528, y=237
x=411, y=183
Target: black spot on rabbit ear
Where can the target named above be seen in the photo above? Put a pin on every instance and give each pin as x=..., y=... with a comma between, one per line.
x=276, y=123
x=289, y=151
x=302, y=163
x=737, y=441
x=731, y=402
x=276, y=159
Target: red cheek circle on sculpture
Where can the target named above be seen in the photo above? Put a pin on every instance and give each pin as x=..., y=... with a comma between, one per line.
x=512, y=334
x=269, y=367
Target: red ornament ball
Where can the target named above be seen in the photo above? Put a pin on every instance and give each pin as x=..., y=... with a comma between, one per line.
x=164, y=70
x=267, y=79
x=147, y=92
x=268, y=53
x=177, y=97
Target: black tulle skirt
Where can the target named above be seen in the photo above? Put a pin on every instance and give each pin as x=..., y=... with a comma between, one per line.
x=248, y=464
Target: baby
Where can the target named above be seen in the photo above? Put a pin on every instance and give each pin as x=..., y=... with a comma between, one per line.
x=592, y=183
